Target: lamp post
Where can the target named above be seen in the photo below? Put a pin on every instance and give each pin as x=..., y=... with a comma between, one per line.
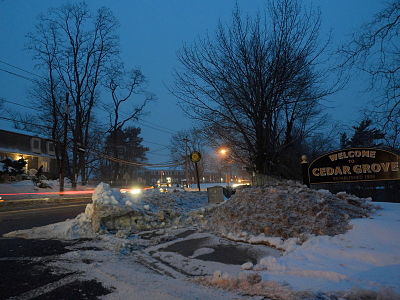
x=224, y=152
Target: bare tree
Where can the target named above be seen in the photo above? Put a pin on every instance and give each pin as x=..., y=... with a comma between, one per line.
x=73, y=47
x=375, y=50
x=122, y=86
x=1, y=105
x=256, y=85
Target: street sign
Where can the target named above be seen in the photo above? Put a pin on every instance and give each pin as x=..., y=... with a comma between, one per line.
x=195, y=156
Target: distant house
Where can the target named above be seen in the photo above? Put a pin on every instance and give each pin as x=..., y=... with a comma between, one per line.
x=35, y=149
x=154, y=176
x=175, y=175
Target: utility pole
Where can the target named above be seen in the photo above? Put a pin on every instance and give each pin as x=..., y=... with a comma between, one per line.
x=64, y=144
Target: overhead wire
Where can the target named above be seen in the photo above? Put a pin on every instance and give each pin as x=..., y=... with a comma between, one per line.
x=143, y=123
x=30, y=107
x=140, y=121
x=21, y=69
x=108, y=157
x=33, y=108
x=18, y=75
x=164, y=164
x=18, y=104
x=24, y=122
x=132, y=163
x=152, y=125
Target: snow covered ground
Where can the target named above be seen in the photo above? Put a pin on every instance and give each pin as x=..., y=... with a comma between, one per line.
x=365, y=257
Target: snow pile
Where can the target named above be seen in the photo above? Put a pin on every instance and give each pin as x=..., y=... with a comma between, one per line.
x=112, y=210
x=249, y=283
x=71, y=229
x=104, y=195
x=179, y=201
x=123, y=214
x=286, y=209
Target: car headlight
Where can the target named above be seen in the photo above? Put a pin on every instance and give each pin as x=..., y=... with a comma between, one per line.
x=135, y=191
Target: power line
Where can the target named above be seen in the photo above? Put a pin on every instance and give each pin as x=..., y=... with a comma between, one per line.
x=150, y=126
x=158, y=154
x=170, y=131
x=18, y=75
x=108, y=157
x=24, y=122
x=21, y=69
x=18, y=104
x=158, y=144
x=143, y=122
x=30, y=107
x=158, y=150
x=115, y=159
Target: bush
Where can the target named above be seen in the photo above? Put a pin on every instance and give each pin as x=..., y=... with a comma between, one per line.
x=12, y=167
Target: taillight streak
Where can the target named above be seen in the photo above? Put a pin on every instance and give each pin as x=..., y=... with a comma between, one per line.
x=52, y=193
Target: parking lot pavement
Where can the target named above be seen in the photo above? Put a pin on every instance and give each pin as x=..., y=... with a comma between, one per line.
x=25, y=274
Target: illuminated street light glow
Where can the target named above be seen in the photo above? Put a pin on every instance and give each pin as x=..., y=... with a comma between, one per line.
x=135, y=191
x=223, y=151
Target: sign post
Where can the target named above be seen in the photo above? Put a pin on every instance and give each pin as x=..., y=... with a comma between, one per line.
x=195, y=157
x=304, y=170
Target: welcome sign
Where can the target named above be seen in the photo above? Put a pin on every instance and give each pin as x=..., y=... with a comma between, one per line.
x=355, y=164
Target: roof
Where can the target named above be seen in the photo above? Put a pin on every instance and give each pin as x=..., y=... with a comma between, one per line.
x=15, y=150
x=24, y=132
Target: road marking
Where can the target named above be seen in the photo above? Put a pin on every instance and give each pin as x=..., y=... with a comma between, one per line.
x=36, y=209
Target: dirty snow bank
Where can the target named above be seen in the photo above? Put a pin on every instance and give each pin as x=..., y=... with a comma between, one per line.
x=71, y=229
x=286, y=209
x=111, y=210
x=362, y=263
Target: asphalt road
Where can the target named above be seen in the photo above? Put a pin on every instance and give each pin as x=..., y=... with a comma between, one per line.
x=23, y=216
x=23, y=263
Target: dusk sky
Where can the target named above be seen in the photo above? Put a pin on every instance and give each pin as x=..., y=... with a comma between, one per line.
x=151, y=32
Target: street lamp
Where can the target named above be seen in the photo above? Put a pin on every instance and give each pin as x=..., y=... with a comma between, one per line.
x=224, y=152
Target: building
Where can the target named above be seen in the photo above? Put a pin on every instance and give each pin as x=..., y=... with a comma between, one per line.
x=173, y=176
x=154, y=176
x=35, y=149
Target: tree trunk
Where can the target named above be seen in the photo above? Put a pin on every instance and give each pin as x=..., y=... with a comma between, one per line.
x=63, y=162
